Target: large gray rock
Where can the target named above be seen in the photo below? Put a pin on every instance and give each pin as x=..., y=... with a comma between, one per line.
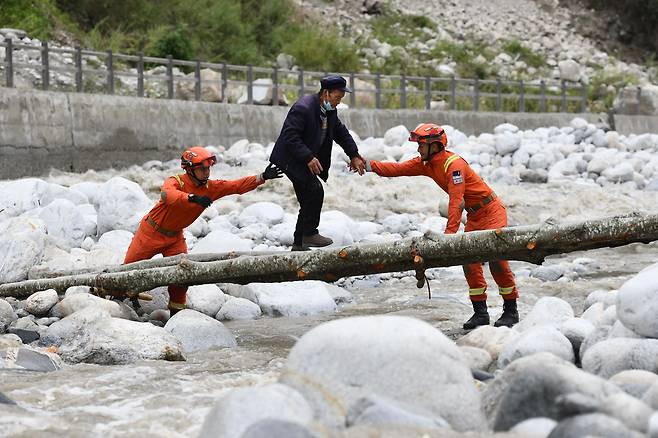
x=529, y=387
x=576, y=330
x=29, y=359
x=272, y=428
x=197, y=331
x=637, y=302
x=536, y=340
x=489, y=338
x=205, y=298
x=73, y=302
x=612, y=356
x=551, y=311
x=23, y=241
x=91, y=335
x=634, y=382
x=538, y=427
x=236, y=411
x=380, y=411
x=7, y=315
x=627, y=409
x=238, y=308
x=342, y=361
x=40, y=303
x=590, y=425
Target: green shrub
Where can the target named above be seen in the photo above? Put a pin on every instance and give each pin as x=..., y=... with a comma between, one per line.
x=314, y=51
x=516, y=48
x=175, y=42
x=396, y=29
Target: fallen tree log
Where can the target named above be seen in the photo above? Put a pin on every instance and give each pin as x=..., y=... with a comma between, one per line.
x=144, y=264
x=531, y=243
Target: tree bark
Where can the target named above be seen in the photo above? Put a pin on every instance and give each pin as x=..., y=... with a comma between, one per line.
x=526, y=243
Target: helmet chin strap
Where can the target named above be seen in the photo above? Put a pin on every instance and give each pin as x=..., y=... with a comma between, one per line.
x=431, y=154
x=190, y=172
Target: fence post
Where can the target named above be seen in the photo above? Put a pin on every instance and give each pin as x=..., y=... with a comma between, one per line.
x=197, y=80
x=140, y=74
x=583, y=102
x=170, y=77
x=499, y=96
x=563, y=106
x=428, y=92
x=542, y=102
x=275, y=86
x=403, y=91
x=45, y=66
x=250, y=84
x=453, y=93
x=521, y=96
x=9, y=62
x=378, y=90
x=300, y=82
x=639, y=96
x=476, y=95
x=110, y=72
x=78, y=69
x=224, y=82
x=353, y=93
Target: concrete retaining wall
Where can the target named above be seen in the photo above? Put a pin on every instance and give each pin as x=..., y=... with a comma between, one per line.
x=75, y=132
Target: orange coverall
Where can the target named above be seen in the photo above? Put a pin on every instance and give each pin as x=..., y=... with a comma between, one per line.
x=161, y=230
x=466, y=190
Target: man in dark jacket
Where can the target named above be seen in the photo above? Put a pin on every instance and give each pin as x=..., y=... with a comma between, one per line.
x=303, y=152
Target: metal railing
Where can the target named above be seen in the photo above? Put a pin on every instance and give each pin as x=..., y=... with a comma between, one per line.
x=113, y=73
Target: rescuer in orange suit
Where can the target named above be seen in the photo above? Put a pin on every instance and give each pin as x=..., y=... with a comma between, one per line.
x=484, y=210
x=182, y=200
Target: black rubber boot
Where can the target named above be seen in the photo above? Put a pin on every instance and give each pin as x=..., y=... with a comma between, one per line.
x=510, y=315
x=480, y=317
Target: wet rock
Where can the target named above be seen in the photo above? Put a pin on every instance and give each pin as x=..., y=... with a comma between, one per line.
x=234, y=413
x=197, y=331
x=73, y=302
x=4, y=400
x=26, y=336
x=529, y=386
x=296, y=298
x=91, y=335
x=607, y=297
x=24, y=358
x=537, y=176
x=40, y=303
x=536, y=340
x=548, y=273
x=598, y=335
x=634, y=382
x=489, y=338
x=598, y=425
x=205, y=298
x=546, y=311
x=381, y=411
x=273, y=428
x=612, y=356
x=238, y=308
x=478, y=358
x=636, y=304
x=576, y=330
x=572, y=404
x=537, y=427
x=627, y=409
x=651, y=396
x=7, y=315
x=385, y=356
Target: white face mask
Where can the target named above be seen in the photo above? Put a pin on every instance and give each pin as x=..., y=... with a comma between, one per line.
x=327, y=106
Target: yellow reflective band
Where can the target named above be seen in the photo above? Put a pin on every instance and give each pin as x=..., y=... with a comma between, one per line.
x=180, y=181
x=506, y=290
x=478, y=291
x=449, y=162
x=177, y=306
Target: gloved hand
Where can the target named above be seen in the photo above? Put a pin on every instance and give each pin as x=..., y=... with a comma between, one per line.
x=272, y=172
x=203, y=201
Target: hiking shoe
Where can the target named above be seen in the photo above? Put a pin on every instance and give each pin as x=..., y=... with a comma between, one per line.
x=510, y=314
x=316, y=241
x=300, y=248
x=480, y=317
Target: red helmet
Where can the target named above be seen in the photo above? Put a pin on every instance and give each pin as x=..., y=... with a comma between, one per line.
x=197, y=156
x=429, y=133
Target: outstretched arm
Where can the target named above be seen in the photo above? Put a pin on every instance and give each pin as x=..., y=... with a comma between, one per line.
x=411, y=167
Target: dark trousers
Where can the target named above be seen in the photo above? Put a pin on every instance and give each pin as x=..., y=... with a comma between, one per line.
x=310, y=195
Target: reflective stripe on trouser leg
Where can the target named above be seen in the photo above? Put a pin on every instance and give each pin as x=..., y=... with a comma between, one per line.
x=504, y=278
x=477, y=286
x=177, y=296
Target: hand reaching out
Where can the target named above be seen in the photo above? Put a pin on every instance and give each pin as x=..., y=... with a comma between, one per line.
x=272, y=172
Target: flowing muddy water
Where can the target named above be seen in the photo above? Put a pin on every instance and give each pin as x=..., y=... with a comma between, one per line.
x=158, y=398
x=171, y=399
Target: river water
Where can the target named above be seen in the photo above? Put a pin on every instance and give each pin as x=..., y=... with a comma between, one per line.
x=171, y=399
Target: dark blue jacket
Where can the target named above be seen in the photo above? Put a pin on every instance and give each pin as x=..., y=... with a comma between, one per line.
x=299, y=140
